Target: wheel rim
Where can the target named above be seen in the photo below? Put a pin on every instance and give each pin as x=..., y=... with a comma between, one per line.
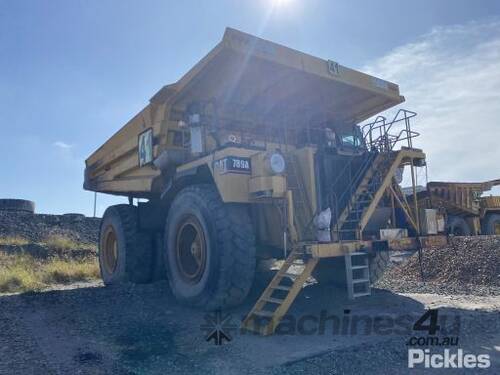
x=110, y=250
x=190, y=250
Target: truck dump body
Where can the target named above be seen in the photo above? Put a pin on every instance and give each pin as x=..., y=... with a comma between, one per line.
x=245, y=78
x=458, y=198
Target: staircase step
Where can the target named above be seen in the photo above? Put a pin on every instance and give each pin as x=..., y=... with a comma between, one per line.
x=282, y=287
x=264, y=313
x=363, y=201
x=278, y=301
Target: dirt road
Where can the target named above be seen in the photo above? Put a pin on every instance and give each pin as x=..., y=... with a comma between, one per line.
x=142, y=330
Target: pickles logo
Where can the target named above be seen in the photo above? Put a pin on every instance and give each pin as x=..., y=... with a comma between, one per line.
x=445, y=358
x=448, y=359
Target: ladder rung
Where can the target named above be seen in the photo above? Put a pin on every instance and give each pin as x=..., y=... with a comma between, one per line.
x=359, y=267
x=359, y=281
x=274, y=300
x=357, y=253
x=294, y=275
x=282, y=287
x=356, y=295
x=264, y=313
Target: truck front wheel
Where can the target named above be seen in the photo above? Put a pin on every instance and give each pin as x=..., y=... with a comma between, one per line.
x=491, y=224
x=457, y=226
x=125, y=253
x=210, y=249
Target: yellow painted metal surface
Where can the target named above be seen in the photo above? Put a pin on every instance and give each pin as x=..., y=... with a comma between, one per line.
x=333, y=249
x=490, y=202
x=251, y=81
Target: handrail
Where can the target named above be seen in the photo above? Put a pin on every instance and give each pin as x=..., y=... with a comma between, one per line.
x=377, y=133
x=378, y=138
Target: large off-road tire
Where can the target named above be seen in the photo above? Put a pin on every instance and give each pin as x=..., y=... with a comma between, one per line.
x=209, y=249
x=491, y=224
x=17, y=205
x=379, y=263
x=125, y=253
x=331, y=271
x=457, y=226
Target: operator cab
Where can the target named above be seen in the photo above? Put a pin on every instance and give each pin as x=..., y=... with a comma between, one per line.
x=346, y=140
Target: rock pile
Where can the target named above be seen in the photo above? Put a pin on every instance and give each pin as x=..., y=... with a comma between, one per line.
x=37, y=227
x=465, y=261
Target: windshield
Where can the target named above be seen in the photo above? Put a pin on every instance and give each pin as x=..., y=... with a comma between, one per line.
x=351, y=139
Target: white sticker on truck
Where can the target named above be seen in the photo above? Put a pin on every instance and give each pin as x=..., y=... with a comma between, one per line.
x=145, y=147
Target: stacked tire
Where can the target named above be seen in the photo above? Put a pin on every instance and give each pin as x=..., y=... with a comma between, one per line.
x=17, y=205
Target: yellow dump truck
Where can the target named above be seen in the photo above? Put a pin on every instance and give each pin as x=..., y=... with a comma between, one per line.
x=467, y=212
x=258, y=151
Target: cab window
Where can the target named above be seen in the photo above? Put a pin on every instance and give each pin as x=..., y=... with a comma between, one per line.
x=350, y=140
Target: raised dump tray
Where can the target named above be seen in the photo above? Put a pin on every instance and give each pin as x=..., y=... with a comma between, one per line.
x=246, y=78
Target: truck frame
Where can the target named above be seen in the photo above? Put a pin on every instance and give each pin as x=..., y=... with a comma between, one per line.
x=258, y=152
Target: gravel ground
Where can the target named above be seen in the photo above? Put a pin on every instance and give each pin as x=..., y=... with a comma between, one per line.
x=140, y=329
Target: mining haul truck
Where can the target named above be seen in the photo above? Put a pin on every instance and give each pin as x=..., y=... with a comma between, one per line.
x=258, y=151
x=462, y=206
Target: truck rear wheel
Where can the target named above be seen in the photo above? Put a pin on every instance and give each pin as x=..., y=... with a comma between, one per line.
x=125, y=253
x=210, y=249
x=491, y=224
x=458, y=226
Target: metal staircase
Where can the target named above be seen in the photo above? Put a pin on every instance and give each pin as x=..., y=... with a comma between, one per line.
x=280, y=293
x=363, y=194
x=359, y=200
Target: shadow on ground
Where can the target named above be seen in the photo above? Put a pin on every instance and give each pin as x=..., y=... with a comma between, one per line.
x=140, y=329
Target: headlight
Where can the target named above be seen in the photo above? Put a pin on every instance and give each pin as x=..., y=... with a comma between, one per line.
x=276, y=163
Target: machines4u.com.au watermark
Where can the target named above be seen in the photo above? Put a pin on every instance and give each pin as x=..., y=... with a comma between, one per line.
x=345, y=323
x=433, y=339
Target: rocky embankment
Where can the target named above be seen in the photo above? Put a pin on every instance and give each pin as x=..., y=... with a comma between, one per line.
x=37, y=227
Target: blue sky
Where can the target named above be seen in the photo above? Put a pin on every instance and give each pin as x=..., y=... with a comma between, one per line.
x=73, y=72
